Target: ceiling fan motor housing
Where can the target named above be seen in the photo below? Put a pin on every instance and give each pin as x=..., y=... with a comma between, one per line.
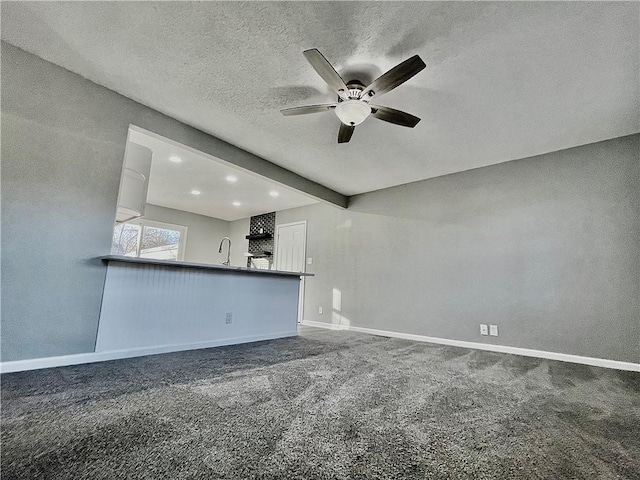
x=355, y=88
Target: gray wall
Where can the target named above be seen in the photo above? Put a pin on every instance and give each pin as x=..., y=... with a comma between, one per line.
x=547, y=248
x=239, y=229
x=203, y=233
x=62, y=154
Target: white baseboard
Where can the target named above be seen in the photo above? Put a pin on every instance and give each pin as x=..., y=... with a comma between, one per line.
x=563, y=357
x=65, y=360
x=329, y=326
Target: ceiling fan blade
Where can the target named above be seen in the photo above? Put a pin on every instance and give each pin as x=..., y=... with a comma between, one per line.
x=307, y=109
x=326, y=71
x=394, y=77
x=392, y=115
x=345, y=132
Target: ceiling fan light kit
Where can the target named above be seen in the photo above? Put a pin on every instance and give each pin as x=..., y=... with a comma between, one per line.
x=353, y=112
x=353, y=105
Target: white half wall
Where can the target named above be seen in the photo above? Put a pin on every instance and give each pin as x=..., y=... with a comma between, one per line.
x=147, y=306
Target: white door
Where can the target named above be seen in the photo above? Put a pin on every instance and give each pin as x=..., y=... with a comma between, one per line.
x=291, y=241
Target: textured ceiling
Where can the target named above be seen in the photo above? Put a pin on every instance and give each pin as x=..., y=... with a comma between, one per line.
x=171, y=184
x=504, y=80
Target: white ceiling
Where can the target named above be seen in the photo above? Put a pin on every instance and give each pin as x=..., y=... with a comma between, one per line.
x=504, y=80
x=171, y=184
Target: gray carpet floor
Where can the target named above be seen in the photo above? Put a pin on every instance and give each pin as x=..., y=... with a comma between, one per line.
x=324, y=405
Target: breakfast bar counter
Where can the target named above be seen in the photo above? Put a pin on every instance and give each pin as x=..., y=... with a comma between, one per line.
x=156, y=306
x=204, y=266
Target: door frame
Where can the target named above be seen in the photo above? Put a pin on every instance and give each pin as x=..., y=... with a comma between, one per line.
x=304, y=261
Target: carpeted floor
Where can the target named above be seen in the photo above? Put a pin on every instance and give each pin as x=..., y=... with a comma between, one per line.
x=324, y=405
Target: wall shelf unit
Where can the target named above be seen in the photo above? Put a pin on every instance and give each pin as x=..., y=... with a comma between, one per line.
x=258, y=254
x=259, y=236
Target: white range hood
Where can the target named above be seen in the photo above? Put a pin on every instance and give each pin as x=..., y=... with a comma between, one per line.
x=134, y=183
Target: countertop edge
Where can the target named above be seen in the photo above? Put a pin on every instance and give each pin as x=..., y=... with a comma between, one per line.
x=202, y=266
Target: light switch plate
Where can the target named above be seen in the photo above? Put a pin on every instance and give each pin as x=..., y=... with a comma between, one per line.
x=493, y=330
x=484, y=329
x=309, y=261
x=320, y=310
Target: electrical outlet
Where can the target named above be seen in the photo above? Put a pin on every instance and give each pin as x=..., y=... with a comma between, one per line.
x=320, y=310
x=484, y=329
x=493, y=330
x=229, y=318
x=309, y=261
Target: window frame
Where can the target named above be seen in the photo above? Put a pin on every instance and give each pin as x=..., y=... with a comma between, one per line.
x=144, y=222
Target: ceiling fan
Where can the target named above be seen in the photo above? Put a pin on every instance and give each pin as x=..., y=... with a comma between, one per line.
x=353, y=107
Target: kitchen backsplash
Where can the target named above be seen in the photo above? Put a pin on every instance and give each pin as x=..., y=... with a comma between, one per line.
x=262, y=224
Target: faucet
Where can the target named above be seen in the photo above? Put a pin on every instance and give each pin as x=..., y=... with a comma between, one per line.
x=227, y=263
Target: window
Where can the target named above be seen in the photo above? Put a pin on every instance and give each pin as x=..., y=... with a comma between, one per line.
x=149, y=239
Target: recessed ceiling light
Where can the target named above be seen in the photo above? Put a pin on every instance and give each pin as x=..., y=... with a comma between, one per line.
x=236, y=204
x=195, y=192
x=175, y=159
x=231, y=179
x=273, y=193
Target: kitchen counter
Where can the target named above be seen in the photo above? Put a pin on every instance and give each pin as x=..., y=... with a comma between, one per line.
x=206, y=266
